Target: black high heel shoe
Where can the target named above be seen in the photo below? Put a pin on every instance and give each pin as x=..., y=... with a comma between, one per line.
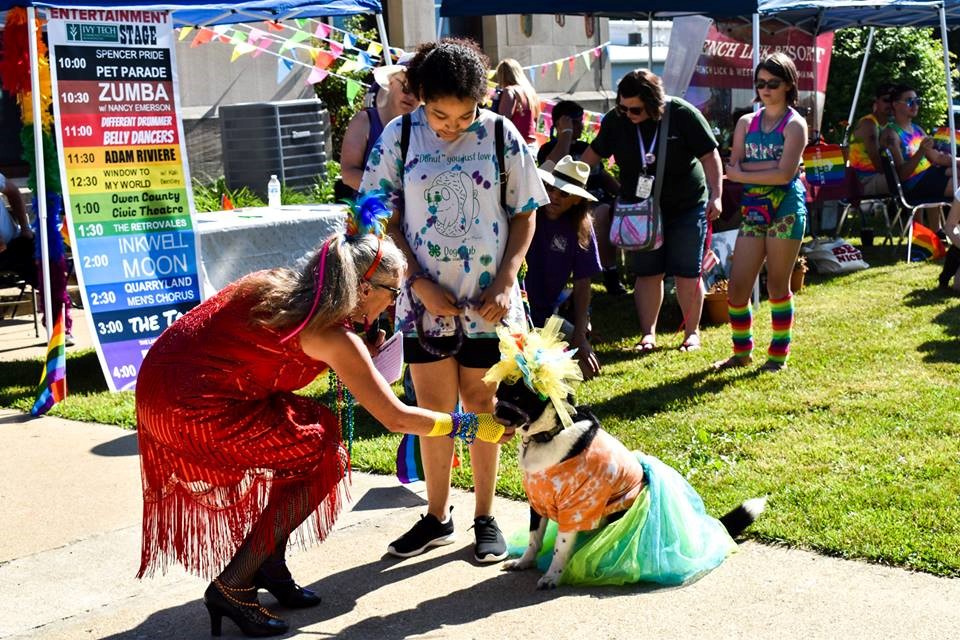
x=254, y=621
x=286, y=591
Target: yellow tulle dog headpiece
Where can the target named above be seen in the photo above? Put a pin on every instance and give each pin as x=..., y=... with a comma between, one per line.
x=540, y=357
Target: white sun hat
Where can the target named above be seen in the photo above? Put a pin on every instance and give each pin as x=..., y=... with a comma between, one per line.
x=383, y=74
x=570, y=176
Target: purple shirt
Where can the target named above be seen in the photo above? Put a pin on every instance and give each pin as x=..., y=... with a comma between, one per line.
x=552, y=258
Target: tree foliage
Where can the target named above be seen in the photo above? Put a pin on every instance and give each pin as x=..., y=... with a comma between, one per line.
x=907, y=55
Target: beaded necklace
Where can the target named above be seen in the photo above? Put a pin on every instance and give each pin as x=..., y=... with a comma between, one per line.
x=339, y=398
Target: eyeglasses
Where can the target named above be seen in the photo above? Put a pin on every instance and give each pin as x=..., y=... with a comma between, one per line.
x=912, y=102
x=394, y=291
x=773, y=83
x=634, y=111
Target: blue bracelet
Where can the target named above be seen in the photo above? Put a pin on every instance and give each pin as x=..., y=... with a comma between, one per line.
x=465, y=426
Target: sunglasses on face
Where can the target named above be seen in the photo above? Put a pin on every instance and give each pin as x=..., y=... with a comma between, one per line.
x=912, y=102
x=394, y=291
x=634, y=111
x=769, y=84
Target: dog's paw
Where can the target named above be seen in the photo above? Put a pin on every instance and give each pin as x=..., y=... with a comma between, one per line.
x=519, y=564
x=547, y=582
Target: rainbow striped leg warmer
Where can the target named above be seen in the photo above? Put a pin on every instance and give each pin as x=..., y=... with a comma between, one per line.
x=781, y=313
x=741, y=325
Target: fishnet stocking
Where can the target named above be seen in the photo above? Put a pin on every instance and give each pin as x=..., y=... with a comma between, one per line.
x=289, y=505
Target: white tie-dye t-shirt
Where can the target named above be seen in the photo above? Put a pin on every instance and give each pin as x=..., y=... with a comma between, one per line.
x=449, y=196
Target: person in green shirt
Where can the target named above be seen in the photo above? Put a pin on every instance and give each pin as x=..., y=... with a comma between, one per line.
x=692, y=183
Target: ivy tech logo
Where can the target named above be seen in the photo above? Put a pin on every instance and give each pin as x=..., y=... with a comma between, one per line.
x=92, y=32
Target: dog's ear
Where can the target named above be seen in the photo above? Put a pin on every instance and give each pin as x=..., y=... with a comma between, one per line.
x=585, y=412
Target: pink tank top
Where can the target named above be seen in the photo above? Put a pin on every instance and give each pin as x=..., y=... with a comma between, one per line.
x=522, y=118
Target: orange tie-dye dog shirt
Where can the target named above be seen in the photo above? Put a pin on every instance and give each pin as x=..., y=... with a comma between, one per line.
x=577, y=493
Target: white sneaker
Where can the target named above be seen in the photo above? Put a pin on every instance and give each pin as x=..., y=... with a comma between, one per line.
x=68, y=340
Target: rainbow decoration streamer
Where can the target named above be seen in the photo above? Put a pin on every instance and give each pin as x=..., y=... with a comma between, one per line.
x=409, y=460
x=824, y=165
x=53, y=380
x=926, y=244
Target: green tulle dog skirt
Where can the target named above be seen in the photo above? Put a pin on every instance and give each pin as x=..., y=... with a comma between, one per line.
x=666, y=537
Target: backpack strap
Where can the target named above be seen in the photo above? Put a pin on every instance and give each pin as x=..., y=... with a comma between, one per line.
x=405, y=125
x=501, y=164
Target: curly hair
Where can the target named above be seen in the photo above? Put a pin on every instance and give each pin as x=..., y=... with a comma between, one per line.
x=451, y=67
x=781, y=66
x=646, y=85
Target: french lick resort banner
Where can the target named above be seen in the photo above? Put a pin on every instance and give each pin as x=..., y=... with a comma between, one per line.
x=125, y=180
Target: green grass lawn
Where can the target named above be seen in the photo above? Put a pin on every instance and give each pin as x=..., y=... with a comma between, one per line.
x=857, y=443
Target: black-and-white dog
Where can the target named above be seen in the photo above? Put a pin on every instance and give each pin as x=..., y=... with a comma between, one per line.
x=545, y=442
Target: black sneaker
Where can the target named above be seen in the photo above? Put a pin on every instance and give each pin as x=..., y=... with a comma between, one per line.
x=428, y=532
x=490, y=545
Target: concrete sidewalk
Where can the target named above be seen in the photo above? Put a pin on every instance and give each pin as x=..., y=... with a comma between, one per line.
x=69, y=548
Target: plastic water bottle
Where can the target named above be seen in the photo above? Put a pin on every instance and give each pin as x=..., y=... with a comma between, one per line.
x=273, y=192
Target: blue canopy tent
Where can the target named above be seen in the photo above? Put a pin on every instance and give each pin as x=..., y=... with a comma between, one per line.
x=210, y=13
x=184, y=13
x=813, y=16
x=605, y=8
x=826, y=15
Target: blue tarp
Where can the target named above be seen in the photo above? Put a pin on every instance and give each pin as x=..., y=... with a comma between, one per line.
x=207, y=13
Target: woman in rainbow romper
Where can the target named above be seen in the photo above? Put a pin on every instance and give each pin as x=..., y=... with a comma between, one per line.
x=767, y=149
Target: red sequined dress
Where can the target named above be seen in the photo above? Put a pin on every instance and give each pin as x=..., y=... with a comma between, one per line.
x=219, y=428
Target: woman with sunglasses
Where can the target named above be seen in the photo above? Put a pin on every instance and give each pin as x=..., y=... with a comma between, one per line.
x=690, y=194
x=767, y=148
x=229, y=453
x=464, y=233
x=922, y=169
x=393, y=100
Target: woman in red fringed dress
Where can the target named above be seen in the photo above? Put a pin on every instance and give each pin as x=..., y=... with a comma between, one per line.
x=232, y=460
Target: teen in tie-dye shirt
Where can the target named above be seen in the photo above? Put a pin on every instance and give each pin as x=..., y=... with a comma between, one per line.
x=464, y=249
x=766, y=153
x=922, y=169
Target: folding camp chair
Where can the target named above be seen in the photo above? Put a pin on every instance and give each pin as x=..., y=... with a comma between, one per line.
x=856, y=201
x=11, y=280
x=903, y=206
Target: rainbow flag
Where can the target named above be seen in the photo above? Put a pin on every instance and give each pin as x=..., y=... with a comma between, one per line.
x=409, y=461
x=824, y=164
x=53, y=381
x=941, y=139
x=926, y=244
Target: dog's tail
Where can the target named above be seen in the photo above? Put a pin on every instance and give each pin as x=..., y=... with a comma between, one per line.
x=743, y=516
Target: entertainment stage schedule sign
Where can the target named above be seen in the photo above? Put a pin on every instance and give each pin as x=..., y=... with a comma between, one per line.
x=125, y=180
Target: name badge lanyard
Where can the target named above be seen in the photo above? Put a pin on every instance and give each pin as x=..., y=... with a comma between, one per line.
x=645, y=181
x=647, y=157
